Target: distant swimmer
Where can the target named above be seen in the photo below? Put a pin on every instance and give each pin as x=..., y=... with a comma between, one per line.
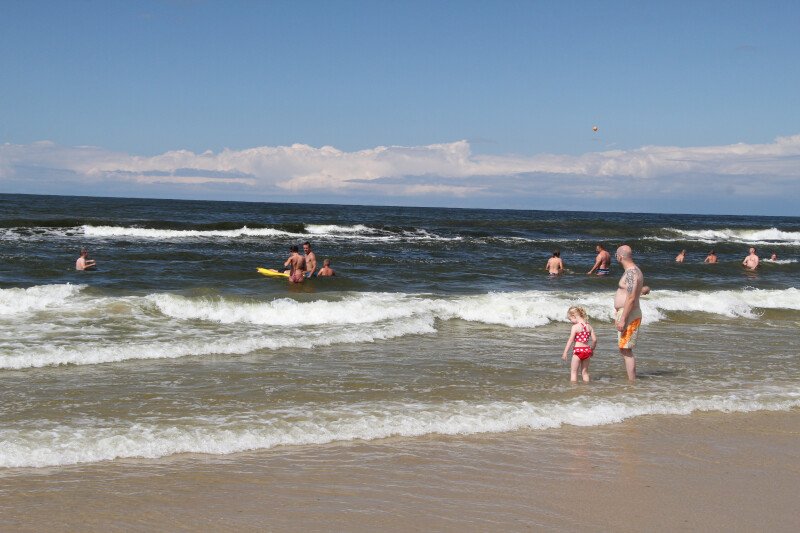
x=83, y=262
x=311, y=259
x=680, y=257
x=554, y=265
x=751, y=261
x=773, y=257
x=645, y=290
x=628, y=313
x=711, y=258
x=326, y=269
x=296, y=265
x=602, y=263
x=579, y=335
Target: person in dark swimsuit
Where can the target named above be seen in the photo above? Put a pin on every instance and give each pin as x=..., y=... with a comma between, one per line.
x=602, y=263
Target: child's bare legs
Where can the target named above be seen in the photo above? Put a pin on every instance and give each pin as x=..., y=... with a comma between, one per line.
x=573, y=369
x=585, y=369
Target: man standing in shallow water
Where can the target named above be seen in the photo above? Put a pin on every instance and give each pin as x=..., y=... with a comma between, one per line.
x=628, y=314
x=311, y=259
x=554, y=265
x=602, y=262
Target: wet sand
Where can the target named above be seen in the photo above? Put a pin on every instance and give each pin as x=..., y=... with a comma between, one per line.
x=711, y=471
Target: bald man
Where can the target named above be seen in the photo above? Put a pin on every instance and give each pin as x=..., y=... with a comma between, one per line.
x=626, y=302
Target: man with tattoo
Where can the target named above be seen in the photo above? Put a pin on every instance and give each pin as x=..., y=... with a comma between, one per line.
x=602, y=262
x=628, y=314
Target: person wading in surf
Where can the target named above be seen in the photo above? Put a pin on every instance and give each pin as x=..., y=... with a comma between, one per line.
x=554, y=265
x=311, y=259
x=296, y=265
x=751, y=261
x=602, y=262
x=628, y=316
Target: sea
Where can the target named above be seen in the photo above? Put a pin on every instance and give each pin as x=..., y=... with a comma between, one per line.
x=438, y=322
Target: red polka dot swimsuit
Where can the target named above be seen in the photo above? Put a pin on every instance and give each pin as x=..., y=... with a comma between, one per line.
x=582, y=352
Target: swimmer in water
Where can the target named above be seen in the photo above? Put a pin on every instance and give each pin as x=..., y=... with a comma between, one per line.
x=83, y=262
x=296, y=265
x=326, y=270
x=554, y=265
x=751, y=261
x=602, y=263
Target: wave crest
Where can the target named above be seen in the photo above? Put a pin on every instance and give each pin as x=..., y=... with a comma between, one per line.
x=744, y=236
x=36, y=298
x=64, y=445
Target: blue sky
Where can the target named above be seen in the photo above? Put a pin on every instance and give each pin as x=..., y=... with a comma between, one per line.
x=422, y=103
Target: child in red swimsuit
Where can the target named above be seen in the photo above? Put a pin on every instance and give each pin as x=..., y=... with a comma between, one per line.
x=579, y=334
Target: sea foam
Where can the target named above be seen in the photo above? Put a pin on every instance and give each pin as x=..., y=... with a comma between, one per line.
x=91, y=353
x=103, y=440
x=16, y=301
x=513, y=309
x=358, y=232
x=745, y=236
x=165, y=326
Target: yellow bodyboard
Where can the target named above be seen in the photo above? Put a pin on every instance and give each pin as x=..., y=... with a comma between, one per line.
x=271, y=272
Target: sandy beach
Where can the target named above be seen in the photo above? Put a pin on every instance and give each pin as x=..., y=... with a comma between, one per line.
x=709, y=471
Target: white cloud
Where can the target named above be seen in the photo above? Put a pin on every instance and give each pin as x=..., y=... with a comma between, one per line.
x=449, y=169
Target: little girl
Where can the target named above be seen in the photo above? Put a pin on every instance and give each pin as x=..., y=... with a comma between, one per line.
x=580, y=333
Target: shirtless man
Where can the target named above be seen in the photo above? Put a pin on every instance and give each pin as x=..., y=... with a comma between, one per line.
x=602, y=262
x=554, y=265
x=751, y=261
x=311, y=259
x=711, y=258
x=680, y=257
x=326, y=269
x=296, y=265
x=628, y=314
x=83, y=262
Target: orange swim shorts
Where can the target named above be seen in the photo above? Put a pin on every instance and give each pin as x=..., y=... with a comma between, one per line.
x=627, y=337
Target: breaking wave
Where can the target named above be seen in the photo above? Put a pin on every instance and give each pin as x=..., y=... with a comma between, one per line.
x=744, y=236
x=104, y=440
x=15, y=301
x=165, y=326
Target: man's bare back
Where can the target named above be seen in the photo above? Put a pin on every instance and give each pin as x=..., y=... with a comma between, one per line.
x=554, y=266
x=602, y=263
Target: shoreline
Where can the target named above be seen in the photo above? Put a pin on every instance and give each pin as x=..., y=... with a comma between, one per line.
x=710, y=471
